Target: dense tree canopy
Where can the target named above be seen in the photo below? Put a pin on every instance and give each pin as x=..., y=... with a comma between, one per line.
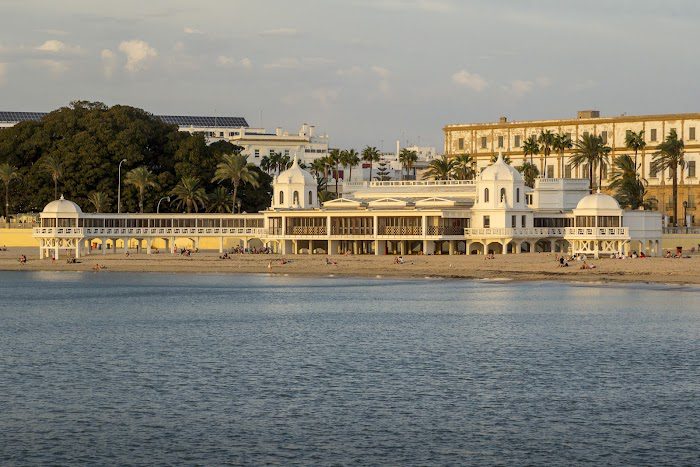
x=91, y=138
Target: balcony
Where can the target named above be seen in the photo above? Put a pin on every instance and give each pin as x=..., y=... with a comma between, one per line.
x=400, y=230
x=592, y=233
x=522, y=232
x=63, y=232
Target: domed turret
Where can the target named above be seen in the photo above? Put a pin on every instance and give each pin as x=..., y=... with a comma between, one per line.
x=598, y=202
x=61, y=207
x=294, y=188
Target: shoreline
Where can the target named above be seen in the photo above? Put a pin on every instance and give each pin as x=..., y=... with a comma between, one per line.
x=520, y=268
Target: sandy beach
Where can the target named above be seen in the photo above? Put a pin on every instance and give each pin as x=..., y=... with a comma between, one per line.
x=530, y=267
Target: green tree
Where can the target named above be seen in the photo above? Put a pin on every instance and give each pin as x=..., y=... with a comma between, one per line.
x=506, y=159
x=218, y=200
x=99, y=201
x=408, y=159
x=350, y=159
x=334, y=157
x=440, y=169
x=52, y=164
x=371, y=154
x=590, y=151
x=464, y=167
x=189, y=194
x=383, y=171
x=670, y=155
x=635, y=142
x=142, y=179
x=236, y=169
x=530, y=172
x=560, y=143
x=7, y=174
x=628, y=187
x=531, y=148
x=546, y=140
x=318, y=167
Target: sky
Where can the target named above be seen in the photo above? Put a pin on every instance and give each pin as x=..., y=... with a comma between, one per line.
x=366, y=72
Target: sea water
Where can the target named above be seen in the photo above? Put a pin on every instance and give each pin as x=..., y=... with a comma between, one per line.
x=115, y=368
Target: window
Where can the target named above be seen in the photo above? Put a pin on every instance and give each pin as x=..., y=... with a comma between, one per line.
x=652, y=171
x=568, y=135
x=604, y=136
x=691, y=133
x=221, y=134
x=281, y=197
x=691, y=168
x=517, y=141
x=286, y=152
x=295, y=198
x=652, y=134
x=272, y=152
x=513, y=221
x=487, y=222
x=257, y=153
x=500, y=141
x=567, y=171
x=311, y=197
x=523, y=221
x=486, y=195
x=460, y=143
x=483, y=142
x=503, y=195
x=550, y=171
x=517, y=195
x=585, y=133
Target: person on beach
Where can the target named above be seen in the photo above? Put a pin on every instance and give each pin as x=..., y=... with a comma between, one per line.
x=330, y=262
x=22, y=259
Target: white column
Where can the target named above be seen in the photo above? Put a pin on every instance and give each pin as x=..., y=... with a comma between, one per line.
x=504, y=246
x=221, y=244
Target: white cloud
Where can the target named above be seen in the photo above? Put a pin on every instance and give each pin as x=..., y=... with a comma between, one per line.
x=325, y=96
x=435, y=6
x=280, y=32
x=54, y=32
x=470, y=80
x=188, y=30
x=3, y=73
x=230, y=62
x=543, y=81
x=520, y=87
x=109, y=62
x=352, y=71
x=54, y=46
x=138, y=54
x=54, y=67
x=290, y=63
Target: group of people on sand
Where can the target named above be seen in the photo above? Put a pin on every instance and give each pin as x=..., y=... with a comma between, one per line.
x=490, y=255
x=330, y=262
x=98, y=267
x=4, y=248
x=679, y=254
x=22, y=259
x=564, y=261
x=399, y=260
x=251, y=251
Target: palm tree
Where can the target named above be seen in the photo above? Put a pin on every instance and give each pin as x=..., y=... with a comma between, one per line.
x=635, y=141
x=189, y=194
x=334, y=160
x=589, y=150
x=531, y=148
x=99, y=201
x=629, y=188
x=371, y=154
x=670, y=155
x=464, y=167
x=408, y=159
x=561, y=143
x=318, y=167
x=219, y=200
x=530, y=173
x=7, y=174
x=350, y=158
x=266, y=164
x=53, y=165
x=546, y=139
x=440, y=169
x=235, y=167
x=142, y=179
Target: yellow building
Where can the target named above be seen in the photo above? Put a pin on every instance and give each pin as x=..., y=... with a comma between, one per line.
x=484, y=140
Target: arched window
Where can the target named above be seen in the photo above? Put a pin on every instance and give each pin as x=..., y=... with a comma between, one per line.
x=311, y=197
x=281, y=197
x=503, y=195
x=486, y=195
x=517, y=195
x=295, y=198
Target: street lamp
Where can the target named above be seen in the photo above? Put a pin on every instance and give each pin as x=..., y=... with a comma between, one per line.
x=685, y=214
x=158, y=207
x=119, y=187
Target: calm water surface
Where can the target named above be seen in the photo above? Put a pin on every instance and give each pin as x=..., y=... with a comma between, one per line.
x=115, y=368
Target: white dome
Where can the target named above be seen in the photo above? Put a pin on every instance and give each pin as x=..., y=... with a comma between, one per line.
x=599, y=202
x=62, y=206
x=296, y=174
x=499, y=170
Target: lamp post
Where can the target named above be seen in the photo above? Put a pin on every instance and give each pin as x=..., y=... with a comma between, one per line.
x=119, y=187
x=238, y=205
x=685, y=215
x=158, y=207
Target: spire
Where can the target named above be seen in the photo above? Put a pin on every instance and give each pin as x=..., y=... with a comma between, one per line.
x=296, y=160
x=500, y=157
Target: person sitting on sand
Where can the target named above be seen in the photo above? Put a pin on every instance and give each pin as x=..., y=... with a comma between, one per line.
x=563, y=263
x=642, y=254
x=330, y=261
x=22, y=259
x=284, y=261
x=587, y=266
x=399, y=260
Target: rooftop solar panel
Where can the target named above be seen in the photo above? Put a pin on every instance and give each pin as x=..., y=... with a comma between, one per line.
x=180, y=120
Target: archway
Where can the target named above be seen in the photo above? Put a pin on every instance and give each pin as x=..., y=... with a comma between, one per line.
x=476, y=248
x=494, y=247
